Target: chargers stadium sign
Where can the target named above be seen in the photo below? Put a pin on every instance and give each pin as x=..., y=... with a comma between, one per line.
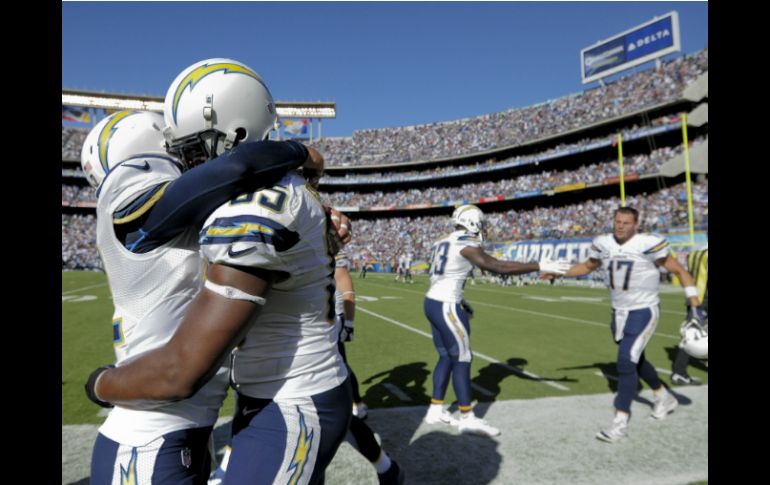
x=575, y=250
x=656, y=38
x=572, y=250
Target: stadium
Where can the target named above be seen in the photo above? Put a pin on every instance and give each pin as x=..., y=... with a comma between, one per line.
x=547, y=177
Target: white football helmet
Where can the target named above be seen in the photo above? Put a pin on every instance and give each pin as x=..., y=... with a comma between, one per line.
x=470, y=217
x=118, y=137
x=695, y=341
x=213, y=105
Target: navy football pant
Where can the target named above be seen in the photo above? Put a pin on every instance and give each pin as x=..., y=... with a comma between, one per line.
x=451, y=330
x=632, y=331
x=289, y=440
x=176, y=458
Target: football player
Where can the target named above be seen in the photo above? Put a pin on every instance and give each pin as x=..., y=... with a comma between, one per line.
x=400, y=269
x=408, y=268
x=632, y=260
x=360, y=436
x=449, y=314
x=692, y=331
x=269, y=289
x=149, y=210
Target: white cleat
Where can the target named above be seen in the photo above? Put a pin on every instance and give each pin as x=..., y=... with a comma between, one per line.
x=664, y=405
x=617, y=431
x=474, y=425
x=439, y=415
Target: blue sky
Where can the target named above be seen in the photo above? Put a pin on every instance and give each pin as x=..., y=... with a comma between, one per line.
x=384, y=64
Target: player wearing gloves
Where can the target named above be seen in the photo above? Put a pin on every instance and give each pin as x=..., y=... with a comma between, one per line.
x=276, y=238
x=632, y=260
x=150, y=206
x=449, y=314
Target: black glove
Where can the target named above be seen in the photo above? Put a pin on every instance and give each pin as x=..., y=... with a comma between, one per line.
x=696, y=314
x=467, y=307
x=346, y=330
x=91, y=384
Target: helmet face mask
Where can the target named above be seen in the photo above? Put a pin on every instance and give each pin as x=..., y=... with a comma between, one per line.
x=196, y=148
x=212, y=106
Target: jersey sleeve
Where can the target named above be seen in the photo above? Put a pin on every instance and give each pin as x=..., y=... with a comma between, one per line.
x=188, y=200
x=597, y=249
x=255, y=231
x=656, y=247
x=468, y=241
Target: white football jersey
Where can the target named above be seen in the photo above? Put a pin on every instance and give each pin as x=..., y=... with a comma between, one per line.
x=291, y=347
x=632, y=277
x=150, y=292
x=342, y=261
x=448, y=268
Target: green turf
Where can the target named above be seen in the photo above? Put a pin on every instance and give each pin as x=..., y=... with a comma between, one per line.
x=538, y=336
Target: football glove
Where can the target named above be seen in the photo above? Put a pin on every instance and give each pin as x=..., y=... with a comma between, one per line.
x=696, y=314
x=346, y=329
x=91, y=386
x=555, y=267
x=467, y=307
x=695, y=319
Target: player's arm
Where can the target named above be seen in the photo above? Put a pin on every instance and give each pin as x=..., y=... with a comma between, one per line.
x=213, y=324
x=345, y=286
x=582, y=269
x=478, y=257
x=188, y=200
x=688, y=282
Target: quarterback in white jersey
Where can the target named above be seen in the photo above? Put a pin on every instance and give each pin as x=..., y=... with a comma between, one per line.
x=453, y=259
x=632, y=260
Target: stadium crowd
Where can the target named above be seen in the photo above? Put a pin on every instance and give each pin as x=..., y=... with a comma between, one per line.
x=72, y=140
x=74, y=193
x=78, y=242
x=545, y=180
x=516, y=126
x=381, y=239
x=489, y=165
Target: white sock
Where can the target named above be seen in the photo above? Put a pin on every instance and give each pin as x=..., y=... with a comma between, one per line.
x=383, y=463
x=621, y=416
x=437, y=406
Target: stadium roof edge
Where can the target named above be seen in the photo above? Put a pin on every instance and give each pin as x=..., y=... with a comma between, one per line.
x=142, y=97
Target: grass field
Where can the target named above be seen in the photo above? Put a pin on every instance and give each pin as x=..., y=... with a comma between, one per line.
x=530, y=342
x=543, y=372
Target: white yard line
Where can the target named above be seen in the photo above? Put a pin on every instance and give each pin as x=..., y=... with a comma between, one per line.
x=83, y=288
x=550, y=315
x=556, y=299
x=482, y=390
x=396, y=391
x=515, y=370
x=560, y=317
